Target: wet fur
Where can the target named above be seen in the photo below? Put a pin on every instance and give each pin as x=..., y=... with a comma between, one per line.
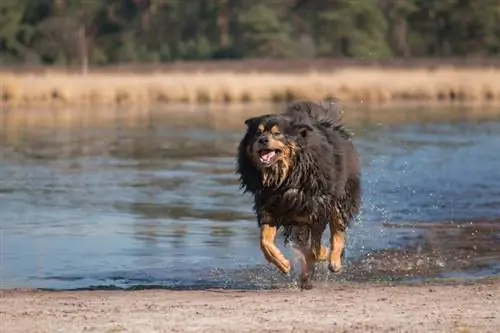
x=322, y=178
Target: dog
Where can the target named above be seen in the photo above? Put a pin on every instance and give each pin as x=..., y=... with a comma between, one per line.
x=303, y=170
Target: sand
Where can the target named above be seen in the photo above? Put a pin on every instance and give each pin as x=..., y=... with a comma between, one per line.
x=343, y=307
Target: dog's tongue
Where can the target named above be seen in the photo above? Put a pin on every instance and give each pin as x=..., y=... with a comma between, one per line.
x=266, y=158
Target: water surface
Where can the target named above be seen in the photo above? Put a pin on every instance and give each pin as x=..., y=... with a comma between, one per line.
x=129, y=198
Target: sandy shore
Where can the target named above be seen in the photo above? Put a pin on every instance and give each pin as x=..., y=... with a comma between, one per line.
x=334, y=308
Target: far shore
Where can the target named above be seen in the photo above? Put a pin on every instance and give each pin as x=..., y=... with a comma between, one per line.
x=351, y=85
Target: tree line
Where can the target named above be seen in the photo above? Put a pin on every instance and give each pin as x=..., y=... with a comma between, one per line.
x=100, y=32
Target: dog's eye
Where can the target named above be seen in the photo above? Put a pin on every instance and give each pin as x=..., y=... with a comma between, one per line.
x=277, y=133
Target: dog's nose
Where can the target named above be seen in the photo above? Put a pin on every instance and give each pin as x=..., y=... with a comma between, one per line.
x=263, y=140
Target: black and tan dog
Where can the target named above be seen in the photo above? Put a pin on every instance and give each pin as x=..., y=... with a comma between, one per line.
x=304, y=172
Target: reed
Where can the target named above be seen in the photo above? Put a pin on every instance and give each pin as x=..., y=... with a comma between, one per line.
x=352, y=85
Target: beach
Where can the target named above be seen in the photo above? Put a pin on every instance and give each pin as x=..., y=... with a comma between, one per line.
x=339, y=307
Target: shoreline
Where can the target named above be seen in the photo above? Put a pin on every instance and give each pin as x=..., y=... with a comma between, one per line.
x=343, y=307
x=367, y=86
x=262, y=65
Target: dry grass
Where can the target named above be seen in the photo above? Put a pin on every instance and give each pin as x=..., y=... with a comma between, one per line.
x=369, y=86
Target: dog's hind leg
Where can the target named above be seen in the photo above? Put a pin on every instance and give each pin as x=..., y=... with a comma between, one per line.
x=301, y=243
x=306, y=266
x=337, y=242
x=270, y=250
x=310, y=253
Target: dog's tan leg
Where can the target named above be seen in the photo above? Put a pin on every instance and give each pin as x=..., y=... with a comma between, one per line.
x=269, y=249
x=337, y=243
x=323, y=254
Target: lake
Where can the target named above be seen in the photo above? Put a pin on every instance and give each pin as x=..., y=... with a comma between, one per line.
x=129, y=198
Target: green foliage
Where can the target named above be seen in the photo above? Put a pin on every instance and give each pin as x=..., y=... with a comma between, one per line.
x=262, y=34
x=196, y=49
x=100, y=32
x=353, y=28
x=14, y=33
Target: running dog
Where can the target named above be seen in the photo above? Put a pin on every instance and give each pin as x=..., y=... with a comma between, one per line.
x=304, y=173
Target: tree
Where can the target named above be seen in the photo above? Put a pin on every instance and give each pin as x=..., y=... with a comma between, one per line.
x=397, y=13
x=347, y=28
x=69, y=32
x=262, y=34
x=14, y=34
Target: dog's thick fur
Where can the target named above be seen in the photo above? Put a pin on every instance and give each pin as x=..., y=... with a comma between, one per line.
x=311, y=180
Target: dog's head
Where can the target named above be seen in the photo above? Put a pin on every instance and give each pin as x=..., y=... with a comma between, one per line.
x=271, y=145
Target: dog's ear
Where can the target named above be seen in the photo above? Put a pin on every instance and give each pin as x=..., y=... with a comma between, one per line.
x=251, y=121
x=302, y=129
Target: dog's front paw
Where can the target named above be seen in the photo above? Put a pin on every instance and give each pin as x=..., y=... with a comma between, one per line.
x=284, y=266
x=335, y=264
x=335, y=268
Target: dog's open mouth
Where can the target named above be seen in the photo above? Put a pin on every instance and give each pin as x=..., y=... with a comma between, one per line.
x=269, y=156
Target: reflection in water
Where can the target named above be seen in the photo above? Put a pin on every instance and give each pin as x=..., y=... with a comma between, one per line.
x=150, y=197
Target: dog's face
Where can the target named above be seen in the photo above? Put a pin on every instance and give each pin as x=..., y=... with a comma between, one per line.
x=272, y=143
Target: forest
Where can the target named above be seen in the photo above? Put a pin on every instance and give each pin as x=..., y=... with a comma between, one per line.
x=101, y=32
